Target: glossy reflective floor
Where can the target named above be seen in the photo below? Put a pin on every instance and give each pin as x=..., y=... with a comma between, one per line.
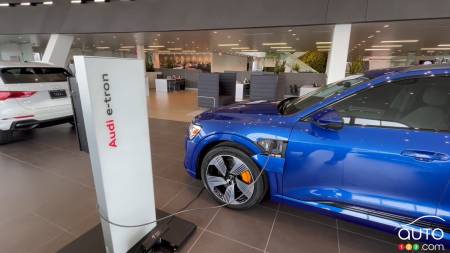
x=179, y=105
x=47, y=200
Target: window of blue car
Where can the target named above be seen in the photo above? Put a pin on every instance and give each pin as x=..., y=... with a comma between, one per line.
x=299, y=104
x=416, y=103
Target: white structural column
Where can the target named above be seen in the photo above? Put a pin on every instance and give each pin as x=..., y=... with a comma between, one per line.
x=140, y=53
x=337, y=58
x=57, y=50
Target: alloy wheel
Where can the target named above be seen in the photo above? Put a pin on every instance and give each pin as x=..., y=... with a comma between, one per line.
x=230, y=179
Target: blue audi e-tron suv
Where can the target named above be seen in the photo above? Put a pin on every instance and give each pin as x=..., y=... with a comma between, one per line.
x=373, y=149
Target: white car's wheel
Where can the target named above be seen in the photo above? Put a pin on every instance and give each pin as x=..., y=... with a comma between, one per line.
x=5, y=137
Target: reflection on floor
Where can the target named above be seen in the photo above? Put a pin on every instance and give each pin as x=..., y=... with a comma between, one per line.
x=47, y=199
x=178, y=105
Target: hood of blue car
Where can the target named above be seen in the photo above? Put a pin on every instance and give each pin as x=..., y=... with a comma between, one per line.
x=255, y=107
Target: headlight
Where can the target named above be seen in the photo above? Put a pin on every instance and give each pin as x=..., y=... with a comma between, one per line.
x=194, y=130
x=273, y=147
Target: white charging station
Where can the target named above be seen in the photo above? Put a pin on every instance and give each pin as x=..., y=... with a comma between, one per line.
x=114, y=103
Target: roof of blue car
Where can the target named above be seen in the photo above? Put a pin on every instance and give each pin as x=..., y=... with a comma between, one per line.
x=379, y=72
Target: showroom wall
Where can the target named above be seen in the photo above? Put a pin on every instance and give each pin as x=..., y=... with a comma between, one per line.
x=165, y=15
x=16, y=52
x=224, y=62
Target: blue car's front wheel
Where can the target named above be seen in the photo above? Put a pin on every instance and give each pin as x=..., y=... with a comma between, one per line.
x=232, y=178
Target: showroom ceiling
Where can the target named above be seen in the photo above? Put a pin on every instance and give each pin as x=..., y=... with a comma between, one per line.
x=395, y=38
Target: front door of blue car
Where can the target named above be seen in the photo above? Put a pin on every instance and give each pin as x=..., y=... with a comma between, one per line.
x=392, y=155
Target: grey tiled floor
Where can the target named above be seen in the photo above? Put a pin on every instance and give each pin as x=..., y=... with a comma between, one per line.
x=47, y=199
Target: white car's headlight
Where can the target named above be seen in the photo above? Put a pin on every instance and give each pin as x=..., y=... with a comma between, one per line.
x=194, y=130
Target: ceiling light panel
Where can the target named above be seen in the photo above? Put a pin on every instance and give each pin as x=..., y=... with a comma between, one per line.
x=323, y=42
x=283, y=47
x=274, y=43
x=435, y=48
x=228, y=45
x=387, y=46
x=377, y=49
x=399, y=41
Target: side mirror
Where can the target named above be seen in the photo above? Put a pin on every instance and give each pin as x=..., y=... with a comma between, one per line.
x=328, y=119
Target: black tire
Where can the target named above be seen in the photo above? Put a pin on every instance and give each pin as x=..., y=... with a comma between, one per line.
x=260, y=186
x=5, y=137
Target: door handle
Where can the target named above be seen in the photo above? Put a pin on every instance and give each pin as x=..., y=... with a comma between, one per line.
x=425, y=156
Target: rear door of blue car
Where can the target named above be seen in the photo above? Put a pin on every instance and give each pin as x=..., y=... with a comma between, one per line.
x=398, y=142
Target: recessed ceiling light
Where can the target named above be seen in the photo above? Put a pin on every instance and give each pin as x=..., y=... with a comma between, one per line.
x=156, y=46
x=297, y=38
x=323, y=42
x=399, y=41
x=76, y=1
x=240, y=48
x=193, y=42
x=370, y=36
x=155, y=39
x=228, y=45
x=435, y=48
x=4, y=4
x=99, y=1
x=102, y=47
x=386, y=26
x=47, y=3
x=175, y=48
x=377, y=49
x=228, y=36
x=285, y=47
x=274, y=43
x=249, y=50
x=377, y=31
x=127, y=46
x=444, y=45
x=290, y=30
x=294, y=34
x=25, y=3
x=363, y=41
x=178, y=38
x=123, y=49
x=215, y=32
x=158, y=34
x=387, y=46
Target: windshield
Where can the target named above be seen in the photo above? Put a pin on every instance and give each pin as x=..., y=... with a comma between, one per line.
x=290, y=106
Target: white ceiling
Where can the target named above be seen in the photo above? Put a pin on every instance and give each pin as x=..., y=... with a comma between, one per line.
x=429, y=33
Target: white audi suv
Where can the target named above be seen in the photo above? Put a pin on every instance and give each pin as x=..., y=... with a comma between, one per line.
x=32, y=95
